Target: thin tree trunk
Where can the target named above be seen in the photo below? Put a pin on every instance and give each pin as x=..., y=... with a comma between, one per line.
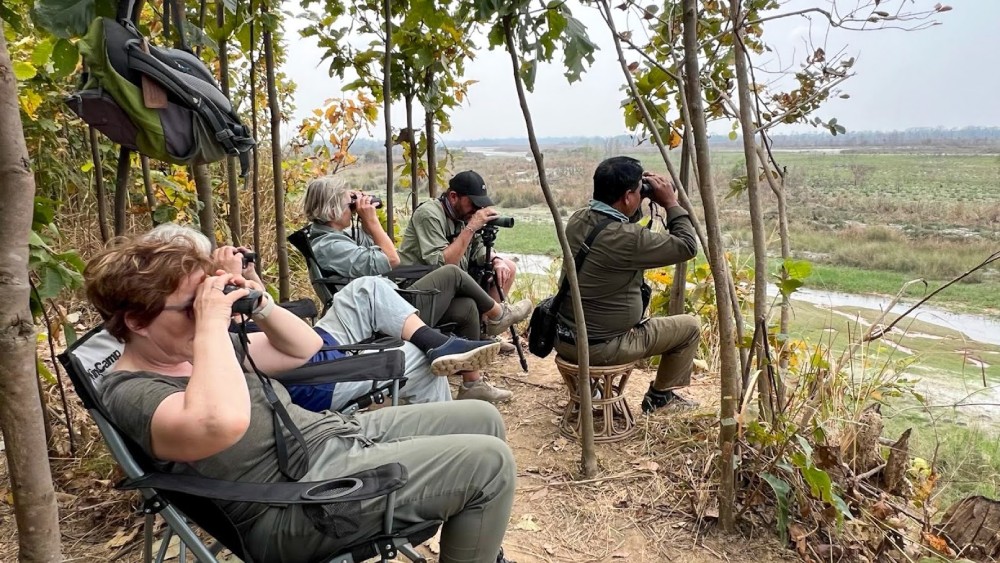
x=255, y=179
x=429, y=127
x=147, y=186
x=414, y=152
x=386, y=103
x=678, y=287
x=729, y=363
x=279, y=186
x=102, y=196
x=203, y=185
x=764, y=394
x=122, y=176
x=232, y=182
x=35, y=509
x=589, y=461
x=786, y=254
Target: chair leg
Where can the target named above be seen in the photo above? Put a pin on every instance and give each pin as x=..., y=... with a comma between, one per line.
x=147, y=530
x=407, y=551
x=167, y=534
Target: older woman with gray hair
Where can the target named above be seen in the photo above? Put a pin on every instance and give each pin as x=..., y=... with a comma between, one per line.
x=343, y=249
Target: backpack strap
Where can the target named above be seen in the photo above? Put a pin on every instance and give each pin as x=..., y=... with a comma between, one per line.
x=579, y=259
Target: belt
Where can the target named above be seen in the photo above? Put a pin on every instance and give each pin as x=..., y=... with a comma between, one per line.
x=566, y=335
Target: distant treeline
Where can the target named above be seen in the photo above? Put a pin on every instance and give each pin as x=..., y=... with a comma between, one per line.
x=967, y=137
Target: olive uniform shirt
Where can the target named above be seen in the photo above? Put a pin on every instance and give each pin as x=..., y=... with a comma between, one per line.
x=429, y=231
x=612, y=273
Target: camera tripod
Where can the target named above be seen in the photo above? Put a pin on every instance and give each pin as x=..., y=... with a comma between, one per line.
x=488, y=279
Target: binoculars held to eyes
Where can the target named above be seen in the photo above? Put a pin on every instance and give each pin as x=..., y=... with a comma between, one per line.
x=646, y=189
x=248, y=256
x=244, y=305
x=505, y=222
x=376, y=202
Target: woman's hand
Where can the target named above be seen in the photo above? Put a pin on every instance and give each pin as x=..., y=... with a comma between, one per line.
x=230, y=259
x=366, y=211
x=211, y=304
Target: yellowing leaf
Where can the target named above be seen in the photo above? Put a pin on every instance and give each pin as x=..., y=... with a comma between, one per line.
x=24, y=70
x=675, y=139
x=30, y=100
x=528, y=523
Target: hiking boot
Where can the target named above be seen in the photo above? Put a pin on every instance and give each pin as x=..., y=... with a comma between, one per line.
x=655, y=400
x=507, y=348
x=484, y=392
x=459, y=354
x=502, y=559
x=509, y=316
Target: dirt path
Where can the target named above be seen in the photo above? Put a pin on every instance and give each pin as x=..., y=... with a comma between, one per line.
x=643, y=507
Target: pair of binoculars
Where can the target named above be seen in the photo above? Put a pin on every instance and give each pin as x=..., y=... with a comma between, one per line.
x=376, y=202
x=244, y=305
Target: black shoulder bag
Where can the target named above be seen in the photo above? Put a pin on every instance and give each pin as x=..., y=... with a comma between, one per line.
x=545, y=318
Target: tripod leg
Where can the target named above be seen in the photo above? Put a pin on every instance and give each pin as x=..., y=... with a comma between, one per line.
x=513, y=332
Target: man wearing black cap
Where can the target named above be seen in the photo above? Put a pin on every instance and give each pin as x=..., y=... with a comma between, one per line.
x=445, y=230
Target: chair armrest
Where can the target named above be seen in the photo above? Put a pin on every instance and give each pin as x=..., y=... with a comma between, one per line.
x=378, y=342
x=410, y=271
x=384, y=366
x=364, y=485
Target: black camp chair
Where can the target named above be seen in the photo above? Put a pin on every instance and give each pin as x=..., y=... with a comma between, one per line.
x=177, y=498
x=326, y=283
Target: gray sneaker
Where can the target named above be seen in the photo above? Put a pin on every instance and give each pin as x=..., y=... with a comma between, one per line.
x=511, y=315
x=484, y=392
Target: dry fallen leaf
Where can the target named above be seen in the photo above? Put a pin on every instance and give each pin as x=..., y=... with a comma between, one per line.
x=937, y=544
x=121, y=538
x=528, y=524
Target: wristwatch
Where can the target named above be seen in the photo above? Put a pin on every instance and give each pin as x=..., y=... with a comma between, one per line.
x=265, y=307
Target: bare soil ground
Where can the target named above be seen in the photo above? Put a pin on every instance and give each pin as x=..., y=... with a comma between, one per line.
x=653, y=498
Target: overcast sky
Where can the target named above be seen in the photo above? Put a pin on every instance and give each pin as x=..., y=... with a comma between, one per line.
x=946, y=76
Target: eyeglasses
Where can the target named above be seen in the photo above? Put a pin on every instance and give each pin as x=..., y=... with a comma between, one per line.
x=186, y=308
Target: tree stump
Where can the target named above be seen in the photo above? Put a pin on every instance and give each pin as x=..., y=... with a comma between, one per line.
x=972, y=525
x=894, y=474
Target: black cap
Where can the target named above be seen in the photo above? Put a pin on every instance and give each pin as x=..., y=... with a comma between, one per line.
x=470, y=183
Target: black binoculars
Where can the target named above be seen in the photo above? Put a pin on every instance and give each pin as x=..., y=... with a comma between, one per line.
x=376, y=202
x=646, y=190
x=244, y=305
x=248, y=257
x=505, y=222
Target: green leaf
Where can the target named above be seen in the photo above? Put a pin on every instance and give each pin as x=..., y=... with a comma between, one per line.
x=24, y=70
x=65, y=56
x=819, y=483
x=43, y=51
x=164, y=214
x=843, y=511
x=781, y=490
x=70, y=333
x=789, y=286
x=797, y=269
x=733, y=135
x=43, y=371
x=67, y=18
x=51, y=281
x=10, y=17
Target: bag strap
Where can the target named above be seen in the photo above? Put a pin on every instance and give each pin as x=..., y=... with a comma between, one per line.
x=581, y=256
x=281, y=419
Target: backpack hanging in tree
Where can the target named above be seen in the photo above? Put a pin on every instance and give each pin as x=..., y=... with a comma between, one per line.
x=194, y=124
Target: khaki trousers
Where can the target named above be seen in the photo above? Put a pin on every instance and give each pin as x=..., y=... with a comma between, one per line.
x=460, y=471
x=460, y=300
x=674, y=338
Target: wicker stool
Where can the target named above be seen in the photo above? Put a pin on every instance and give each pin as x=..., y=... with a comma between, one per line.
x=613, y=420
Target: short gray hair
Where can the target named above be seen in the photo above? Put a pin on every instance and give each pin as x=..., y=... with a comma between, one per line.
x=325, y=199
x=167, y=232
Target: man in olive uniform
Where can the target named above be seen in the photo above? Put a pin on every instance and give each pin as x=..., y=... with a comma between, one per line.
x=611, y=280
x=446, y=231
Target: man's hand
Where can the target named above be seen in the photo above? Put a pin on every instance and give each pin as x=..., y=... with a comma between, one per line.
x=502, y=272
x=663, y=190
x=481, y=217
x=366, y=211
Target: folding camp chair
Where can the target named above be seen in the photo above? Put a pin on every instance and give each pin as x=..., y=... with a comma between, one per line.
x=326, y=283
x=177, y=498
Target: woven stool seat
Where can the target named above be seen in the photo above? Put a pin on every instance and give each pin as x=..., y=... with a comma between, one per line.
x=613, y=419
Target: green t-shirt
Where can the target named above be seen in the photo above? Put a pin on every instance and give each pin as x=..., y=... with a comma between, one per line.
x=131, y=398
x=427, y=234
